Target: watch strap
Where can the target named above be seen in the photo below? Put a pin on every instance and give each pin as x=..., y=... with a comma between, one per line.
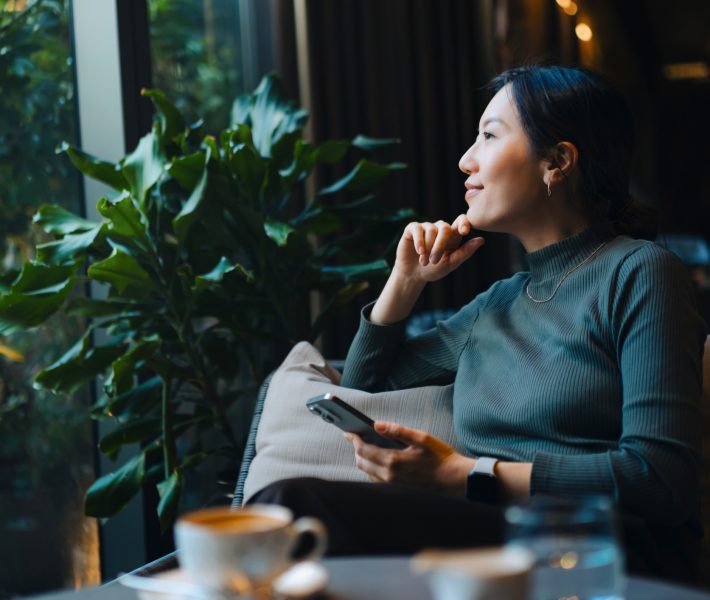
x=485, y=465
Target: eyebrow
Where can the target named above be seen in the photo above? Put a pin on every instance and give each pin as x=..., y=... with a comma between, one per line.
x=490, y=120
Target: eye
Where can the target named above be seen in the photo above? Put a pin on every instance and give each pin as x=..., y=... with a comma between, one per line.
x=487, y=135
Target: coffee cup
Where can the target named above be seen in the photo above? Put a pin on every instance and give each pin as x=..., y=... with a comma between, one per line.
x=480, y=574
x=243, y=549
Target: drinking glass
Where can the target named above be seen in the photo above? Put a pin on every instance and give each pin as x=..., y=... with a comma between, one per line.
x=575, y=544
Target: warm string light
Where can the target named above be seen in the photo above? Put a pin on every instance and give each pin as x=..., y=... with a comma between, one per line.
x=569, y=6
x=582, y=30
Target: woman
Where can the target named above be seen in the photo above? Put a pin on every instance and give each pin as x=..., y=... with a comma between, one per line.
x=580, y=376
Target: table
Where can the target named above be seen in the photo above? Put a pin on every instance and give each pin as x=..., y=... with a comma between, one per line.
x=389, y=578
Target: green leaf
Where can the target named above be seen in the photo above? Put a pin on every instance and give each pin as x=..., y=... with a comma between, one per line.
x=121, y=377
x=107, y=172
x=90, y=307
x=19, y=312
x=70, y=246
x=352, y=273
x=369, y=143
x=187, y=170
x=342, y=297
x=216, y=275
x=124, y=217
x=171, y=121
x=138, y=430
x=169, y=491
x=144, y=166
x=278, y=231
x=240, y=111
x=332, y=151
x=121, y=271
x=282, y=150
x=81, y=363
x=7, y=278
x=136, y=400
x=37, y=279
x=248, y=168
x=193, y=459
x=316, y=219
x=110, y=493
x=37, y=293
x=209, y=143
x=269, y=115
x=192, y=208
x=54, y=219
x=363, y=177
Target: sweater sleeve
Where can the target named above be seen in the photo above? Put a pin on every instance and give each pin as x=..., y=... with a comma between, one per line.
x=658, y=337
x=382, y=358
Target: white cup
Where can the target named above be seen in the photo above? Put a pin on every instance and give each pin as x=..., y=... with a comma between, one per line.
x=243, y=549
x=480, y=574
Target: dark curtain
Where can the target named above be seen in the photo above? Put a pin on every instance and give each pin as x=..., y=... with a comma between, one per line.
x=413, y=70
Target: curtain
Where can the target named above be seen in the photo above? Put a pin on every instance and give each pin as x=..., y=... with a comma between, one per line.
x=412, y=70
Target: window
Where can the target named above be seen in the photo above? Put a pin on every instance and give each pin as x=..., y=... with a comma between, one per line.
x=46, y=455
x=204, y=53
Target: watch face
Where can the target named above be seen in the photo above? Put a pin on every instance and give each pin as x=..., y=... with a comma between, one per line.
x=483, y=488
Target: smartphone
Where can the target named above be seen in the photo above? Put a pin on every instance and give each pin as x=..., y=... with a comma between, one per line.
x=333, y=410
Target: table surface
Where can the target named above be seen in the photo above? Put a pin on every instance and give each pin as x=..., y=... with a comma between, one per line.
x=388, y=578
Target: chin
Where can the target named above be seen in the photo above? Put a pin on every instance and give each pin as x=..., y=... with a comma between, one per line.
x=481, y=223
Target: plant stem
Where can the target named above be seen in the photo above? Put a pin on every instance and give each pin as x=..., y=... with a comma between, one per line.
x=180, y=324
x=206, y=382
x=169, y=452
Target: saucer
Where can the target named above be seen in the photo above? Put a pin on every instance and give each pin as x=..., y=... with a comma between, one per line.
x=302, y=580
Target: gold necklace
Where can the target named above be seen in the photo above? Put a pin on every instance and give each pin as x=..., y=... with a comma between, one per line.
x=567, y=274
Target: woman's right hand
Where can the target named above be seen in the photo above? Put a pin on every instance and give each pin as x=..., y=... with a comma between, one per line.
x=430, y=251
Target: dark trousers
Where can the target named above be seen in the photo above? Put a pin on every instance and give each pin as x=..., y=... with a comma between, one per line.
x=371, y=518
x=367, y=518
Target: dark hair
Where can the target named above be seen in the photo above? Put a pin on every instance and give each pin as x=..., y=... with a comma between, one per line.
x=572, y=104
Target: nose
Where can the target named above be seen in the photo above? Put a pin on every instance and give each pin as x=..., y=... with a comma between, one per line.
x=467, y=163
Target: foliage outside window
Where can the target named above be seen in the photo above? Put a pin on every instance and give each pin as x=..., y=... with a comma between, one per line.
x=45, y=439
x=196, y=56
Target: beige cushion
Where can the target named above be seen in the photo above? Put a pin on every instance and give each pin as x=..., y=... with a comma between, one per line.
x=292, y=442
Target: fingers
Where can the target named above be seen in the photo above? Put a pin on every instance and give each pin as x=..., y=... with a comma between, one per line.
x=432, y=241
x=375, y=462
x=462, y=225
x=445, y=236
x=401, y=433
x=415, y=231
x=416, y=439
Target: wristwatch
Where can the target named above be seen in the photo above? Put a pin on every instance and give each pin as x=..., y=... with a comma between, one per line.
x=482, y=484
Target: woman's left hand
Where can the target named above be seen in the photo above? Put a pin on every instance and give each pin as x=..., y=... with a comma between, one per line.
x=426, y=462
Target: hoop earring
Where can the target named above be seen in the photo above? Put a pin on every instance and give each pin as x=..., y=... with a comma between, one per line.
x=549, y=191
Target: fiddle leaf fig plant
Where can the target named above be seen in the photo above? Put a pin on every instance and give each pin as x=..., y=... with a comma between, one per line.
x=202, y=265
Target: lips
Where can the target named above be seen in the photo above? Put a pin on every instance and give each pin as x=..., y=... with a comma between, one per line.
x=472, y=191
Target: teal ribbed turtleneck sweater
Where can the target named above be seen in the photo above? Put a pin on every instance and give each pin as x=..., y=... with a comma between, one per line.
x=599, y=387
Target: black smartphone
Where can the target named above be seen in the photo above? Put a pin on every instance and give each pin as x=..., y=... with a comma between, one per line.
x=333, y=410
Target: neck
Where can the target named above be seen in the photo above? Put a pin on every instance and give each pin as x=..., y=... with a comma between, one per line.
x=534, y=239
x=552, y=262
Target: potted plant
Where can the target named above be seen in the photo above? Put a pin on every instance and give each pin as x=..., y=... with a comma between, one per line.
x=201, y=267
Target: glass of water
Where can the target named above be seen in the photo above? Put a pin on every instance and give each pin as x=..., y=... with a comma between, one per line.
x=575, y=544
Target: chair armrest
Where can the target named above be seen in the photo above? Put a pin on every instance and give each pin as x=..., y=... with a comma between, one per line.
x=159, y=565
x=250, y=448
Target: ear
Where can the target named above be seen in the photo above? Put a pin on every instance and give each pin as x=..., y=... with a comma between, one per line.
x=562, y=160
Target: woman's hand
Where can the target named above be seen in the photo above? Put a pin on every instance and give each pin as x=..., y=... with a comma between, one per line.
x=429, y=251
x=426, y=252
x=426, y=462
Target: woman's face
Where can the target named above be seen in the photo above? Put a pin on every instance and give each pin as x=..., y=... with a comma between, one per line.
x=505, y=190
